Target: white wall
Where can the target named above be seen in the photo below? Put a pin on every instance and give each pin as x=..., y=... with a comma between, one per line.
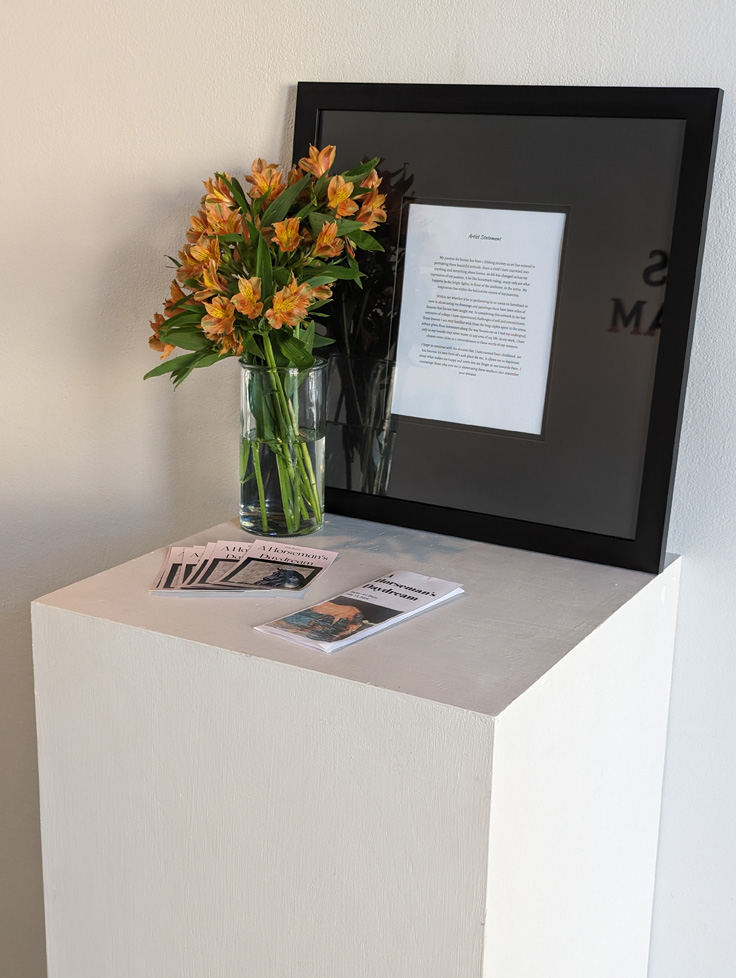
x=112, y=114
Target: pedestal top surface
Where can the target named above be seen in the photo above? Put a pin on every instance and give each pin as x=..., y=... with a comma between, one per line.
x=520, y=614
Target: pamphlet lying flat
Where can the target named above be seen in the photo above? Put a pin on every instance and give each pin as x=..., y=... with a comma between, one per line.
x=178, y=563
x=233, y=567
x=366, y=609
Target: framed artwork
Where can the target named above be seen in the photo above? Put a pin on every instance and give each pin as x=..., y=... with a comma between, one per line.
x=513, y=368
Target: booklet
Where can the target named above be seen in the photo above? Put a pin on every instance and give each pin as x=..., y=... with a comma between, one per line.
x=233, y=567
x=178, y=564
x=215, y=562
x=330, y=625
x=170, y=570
x=282, y=566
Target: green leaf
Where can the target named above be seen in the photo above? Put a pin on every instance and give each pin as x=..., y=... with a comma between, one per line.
x=251, y=346
x=320, y=340
x=354, y=266
x=281, y=276
x=346, y=226
x=330, y=273
x=320, y=278
x=306, y=335
x=209, y=358
x=188, y=317
x=189, y=338
x=307, y=209
x=201, y=360
x=279, y=208
x=264, y=267
x=361, y=171
x=366, y=241
x=241, y=194
x=237, y=191
x=171, y=365
x=337, y=271
x=252, y=242
x=295, y=351
x=321, y=185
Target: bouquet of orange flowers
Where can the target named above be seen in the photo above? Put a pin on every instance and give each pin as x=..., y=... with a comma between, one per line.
x=257, y=267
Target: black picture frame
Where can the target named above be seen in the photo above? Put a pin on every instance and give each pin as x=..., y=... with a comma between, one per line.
x=697, y=113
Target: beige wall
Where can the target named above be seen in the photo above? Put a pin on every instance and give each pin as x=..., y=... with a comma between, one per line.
x=111, y=115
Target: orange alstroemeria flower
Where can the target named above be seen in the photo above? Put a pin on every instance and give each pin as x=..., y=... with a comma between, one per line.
x=229, y=343
x=371, y=181
x=328, y=245
x=188, y=268
x=176, y=296
x=206, y=250
x=371, y=213
x=338, y=197
x=220, y=316
x=319, y=161
x=212, y=279
x=287, y=234
x=218, y=192
x=267, y=180
x=155, y=342
x=221, y=220
x=290, y=305
x=198, y=226
x=321, y=293
x=247, y=296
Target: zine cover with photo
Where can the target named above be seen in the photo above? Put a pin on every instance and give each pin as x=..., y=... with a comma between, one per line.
x=335, y=620
x=331, y=624
x=263, y=573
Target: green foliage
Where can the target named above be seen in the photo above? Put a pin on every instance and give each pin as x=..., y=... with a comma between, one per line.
x=362, y=239
x=264, y=266
x=189, y=338
x=279, y=208
x=295, y=351
x=362, y=171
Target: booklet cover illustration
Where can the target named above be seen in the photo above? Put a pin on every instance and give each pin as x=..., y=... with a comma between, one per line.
x=269, y=573
x=335, y=620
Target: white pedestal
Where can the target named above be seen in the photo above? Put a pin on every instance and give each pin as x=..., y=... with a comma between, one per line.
x=472, y=794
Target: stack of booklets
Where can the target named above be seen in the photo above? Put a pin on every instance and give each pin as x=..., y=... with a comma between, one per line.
x=330, y=625
x=234, y=567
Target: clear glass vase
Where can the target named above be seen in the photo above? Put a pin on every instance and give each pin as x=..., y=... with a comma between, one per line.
x=282, y=449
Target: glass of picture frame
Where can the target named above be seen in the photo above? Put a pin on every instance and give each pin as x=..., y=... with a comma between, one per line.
x=513, y=368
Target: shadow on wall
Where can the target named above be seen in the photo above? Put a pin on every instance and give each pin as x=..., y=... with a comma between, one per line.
x=100, y=468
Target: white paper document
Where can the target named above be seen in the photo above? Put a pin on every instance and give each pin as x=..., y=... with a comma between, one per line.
x=477, y=313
